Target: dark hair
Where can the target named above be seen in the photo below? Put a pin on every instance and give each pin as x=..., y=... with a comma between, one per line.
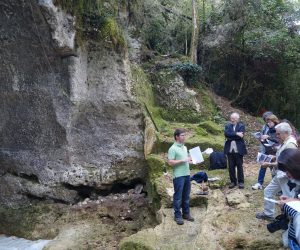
x=178, y=132
x=289, y=160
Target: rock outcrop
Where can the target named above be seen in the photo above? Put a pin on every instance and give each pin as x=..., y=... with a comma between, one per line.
x=68, y=119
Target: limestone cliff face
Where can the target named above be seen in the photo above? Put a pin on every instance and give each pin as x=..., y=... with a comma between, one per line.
x=68, y=120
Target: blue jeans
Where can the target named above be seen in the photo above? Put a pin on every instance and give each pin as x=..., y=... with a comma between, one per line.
x=261, y=175
x=293, y=245
x=181, y=198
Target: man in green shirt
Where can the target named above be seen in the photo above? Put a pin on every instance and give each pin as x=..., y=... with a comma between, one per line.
x=179, y=159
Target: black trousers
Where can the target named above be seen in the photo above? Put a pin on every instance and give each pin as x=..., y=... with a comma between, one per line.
x=235, y=160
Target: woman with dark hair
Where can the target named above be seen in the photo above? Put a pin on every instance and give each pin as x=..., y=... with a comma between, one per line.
x=270, y=138
x=268, y=133
x=289, y=162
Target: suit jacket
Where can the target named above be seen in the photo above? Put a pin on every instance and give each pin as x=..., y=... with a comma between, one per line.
x=230, y=135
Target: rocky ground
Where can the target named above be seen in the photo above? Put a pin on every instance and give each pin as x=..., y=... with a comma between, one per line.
x=91, y=224
x=226, y=220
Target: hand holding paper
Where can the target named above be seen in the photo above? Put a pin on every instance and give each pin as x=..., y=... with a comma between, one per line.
x=257, y=135
x=196, y=155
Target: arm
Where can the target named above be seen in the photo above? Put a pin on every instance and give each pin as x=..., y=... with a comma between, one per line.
x=230, y=134
x=296, y=224
x=176, y=162
x=172, y=158
x=285, y=207
x=242, y=128
x=289, y=211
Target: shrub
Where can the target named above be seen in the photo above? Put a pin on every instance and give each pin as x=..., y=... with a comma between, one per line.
x=191, y=73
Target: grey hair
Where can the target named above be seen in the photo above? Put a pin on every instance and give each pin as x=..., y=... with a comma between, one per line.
x=235, y=114
x=284, y=127
x=267, y=114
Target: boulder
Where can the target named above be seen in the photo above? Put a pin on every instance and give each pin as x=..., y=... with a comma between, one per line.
x=69, y=121
x=237, y=198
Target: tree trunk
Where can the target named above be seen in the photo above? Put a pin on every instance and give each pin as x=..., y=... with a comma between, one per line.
x=194, y=42
x=186, y=43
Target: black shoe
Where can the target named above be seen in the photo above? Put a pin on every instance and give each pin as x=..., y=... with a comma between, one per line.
x=241, y=186
x=179, y=221
x=232, y=185
x=188, y=218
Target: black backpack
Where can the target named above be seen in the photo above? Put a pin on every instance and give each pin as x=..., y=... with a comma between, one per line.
x=217, y=160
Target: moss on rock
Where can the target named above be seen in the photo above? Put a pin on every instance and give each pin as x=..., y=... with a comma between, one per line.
x=211, y=127
x=182, y=115
x=96, y=20
x=110, y=30
x=30, y=221
x=137, y=242
x=156, y=166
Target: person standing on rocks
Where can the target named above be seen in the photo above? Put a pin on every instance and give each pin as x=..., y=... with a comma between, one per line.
x=178, y=158
x=280, y=180
x=235, y=149
x=264, y=133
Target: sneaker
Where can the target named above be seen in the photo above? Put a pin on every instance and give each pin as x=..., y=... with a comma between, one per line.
x=257, y=186
x=179, y=221
x=232, y=185
x=241, y=186
x=263, y=216
x=188, y=217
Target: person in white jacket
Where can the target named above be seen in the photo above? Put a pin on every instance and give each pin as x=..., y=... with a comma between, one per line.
x=280, y=180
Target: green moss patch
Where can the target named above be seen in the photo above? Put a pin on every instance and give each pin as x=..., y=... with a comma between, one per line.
x=96, y=20
x=211, y=127
x=156, y=165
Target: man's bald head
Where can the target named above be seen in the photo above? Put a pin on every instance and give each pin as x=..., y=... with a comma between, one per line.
x=234, y=118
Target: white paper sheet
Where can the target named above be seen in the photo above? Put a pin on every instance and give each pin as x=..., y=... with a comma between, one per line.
x=196, y=155
x=208, y=151
x=263, y=158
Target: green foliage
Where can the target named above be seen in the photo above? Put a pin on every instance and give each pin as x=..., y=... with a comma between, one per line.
x=191, y=73
x=96, y=19
x=110, y=30
x=167, y=26
x=257, y=65
x=154, y=35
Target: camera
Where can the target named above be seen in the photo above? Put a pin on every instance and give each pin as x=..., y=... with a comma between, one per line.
x=280, y=222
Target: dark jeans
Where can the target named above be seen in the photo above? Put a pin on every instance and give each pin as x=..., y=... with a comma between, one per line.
x=181, y=198
x=235, y=160
x=261, y=175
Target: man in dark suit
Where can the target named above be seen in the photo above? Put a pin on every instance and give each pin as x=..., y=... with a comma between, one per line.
x=235, y=149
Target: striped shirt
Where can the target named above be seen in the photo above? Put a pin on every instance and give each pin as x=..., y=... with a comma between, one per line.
x=291, y=213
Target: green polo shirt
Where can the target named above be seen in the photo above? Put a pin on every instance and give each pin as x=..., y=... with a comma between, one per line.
x=179, y=152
